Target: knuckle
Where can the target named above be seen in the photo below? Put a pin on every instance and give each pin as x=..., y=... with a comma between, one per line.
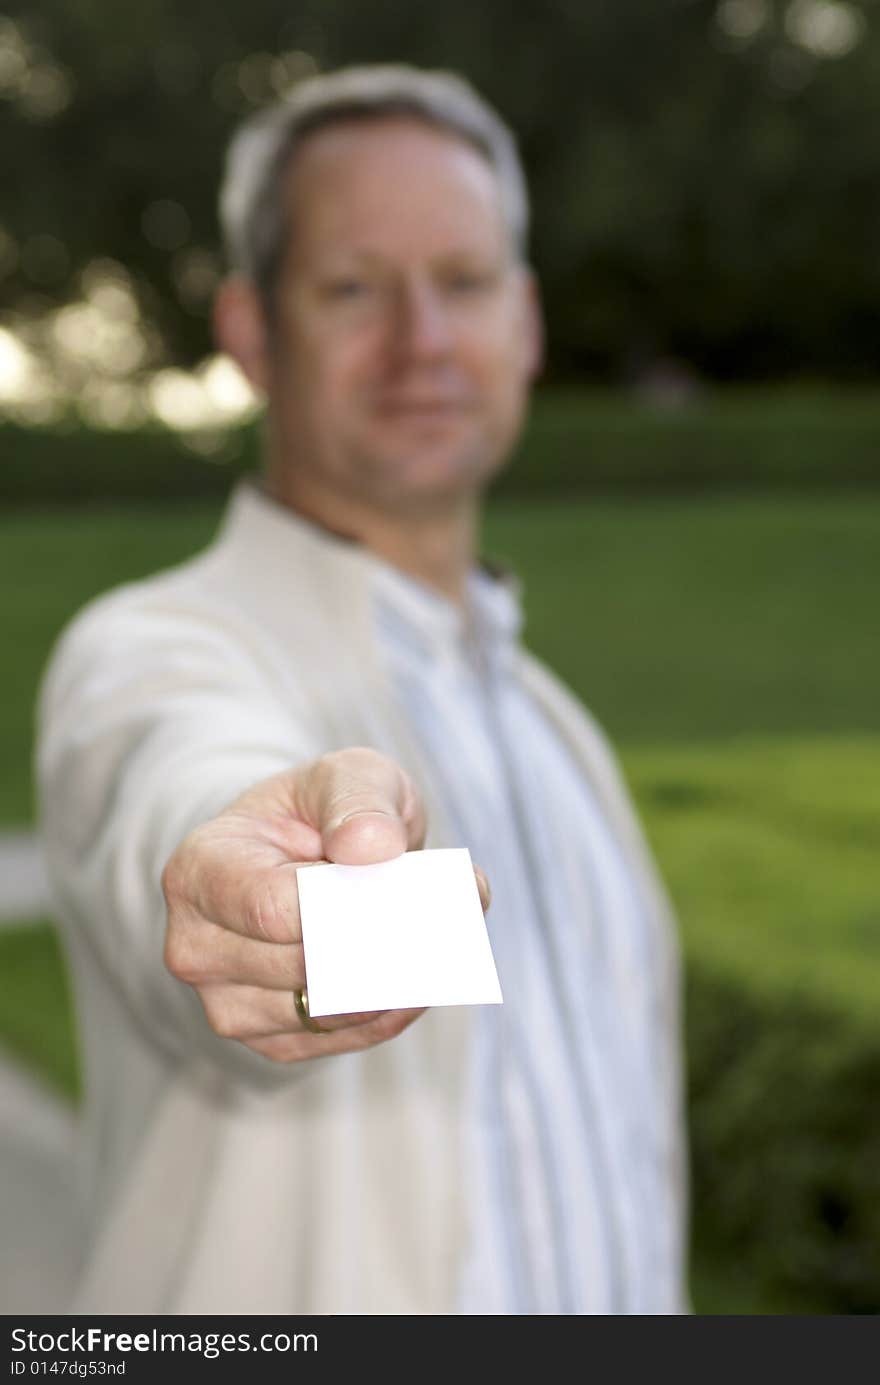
x=172, y=881
x=254, y=914
x=262, y=913
x=221, y=1016
x=360, y=763
x=365, y=757
x=186, y=863
x=178, y=866
x=178, y=955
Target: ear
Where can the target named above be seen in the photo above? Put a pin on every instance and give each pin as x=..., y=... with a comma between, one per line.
x=240, y=328
x=533, y=323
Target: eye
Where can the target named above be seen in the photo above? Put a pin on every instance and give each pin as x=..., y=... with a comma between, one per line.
x=467, y=282
x=347, y=288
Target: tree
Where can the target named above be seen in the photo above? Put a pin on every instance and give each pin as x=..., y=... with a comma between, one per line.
x=704, y=174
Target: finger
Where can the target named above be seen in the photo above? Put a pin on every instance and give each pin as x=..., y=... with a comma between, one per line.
x=363, y=804
x=227, y=889
x=249, y=1012
x=203, y=953
x=236, y=872
x=483, y=887
x=294, y=1048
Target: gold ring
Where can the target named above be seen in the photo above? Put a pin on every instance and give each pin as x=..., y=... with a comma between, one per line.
x=301, y=1001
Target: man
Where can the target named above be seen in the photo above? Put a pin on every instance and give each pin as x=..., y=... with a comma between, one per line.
x=340, y=671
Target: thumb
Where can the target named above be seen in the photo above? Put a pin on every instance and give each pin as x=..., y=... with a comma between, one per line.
x=364, y=806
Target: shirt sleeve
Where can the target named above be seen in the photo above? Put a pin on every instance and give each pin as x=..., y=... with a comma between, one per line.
x=151, y=720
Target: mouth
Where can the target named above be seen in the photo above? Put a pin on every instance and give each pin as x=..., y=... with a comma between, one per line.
x=428, y=409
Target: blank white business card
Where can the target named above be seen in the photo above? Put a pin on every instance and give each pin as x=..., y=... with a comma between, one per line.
x=397, y=935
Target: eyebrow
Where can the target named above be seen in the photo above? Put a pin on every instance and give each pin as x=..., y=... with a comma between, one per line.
x=367, y=258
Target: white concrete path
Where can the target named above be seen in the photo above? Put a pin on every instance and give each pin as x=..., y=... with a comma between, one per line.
x=37, y=1224
x=24, y=886
x=37, y=1131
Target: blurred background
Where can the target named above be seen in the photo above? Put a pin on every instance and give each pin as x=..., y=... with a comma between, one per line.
x=695, y=507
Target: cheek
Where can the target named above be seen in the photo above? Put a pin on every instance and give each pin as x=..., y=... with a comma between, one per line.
x=329, y=368
x=501, y=366
x=500, y=351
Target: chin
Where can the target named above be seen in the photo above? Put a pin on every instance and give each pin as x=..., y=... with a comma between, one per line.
x=428, y=467
x=438, y=486
x=425, y=462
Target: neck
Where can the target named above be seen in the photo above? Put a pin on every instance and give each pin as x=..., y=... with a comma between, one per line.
x=436, y=545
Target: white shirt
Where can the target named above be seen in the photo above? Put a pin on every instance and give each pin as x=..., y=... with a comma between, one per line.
x=567, y=1210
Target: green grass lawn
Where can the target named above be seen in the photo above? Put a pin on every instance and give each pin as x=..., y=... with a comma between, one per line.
x=50, y=564
x=676, y=620
x=686, y=619
x=770, y=849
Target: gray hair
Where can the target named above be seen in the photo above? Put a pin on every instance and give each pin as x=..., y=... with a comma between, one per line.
x=252, y=213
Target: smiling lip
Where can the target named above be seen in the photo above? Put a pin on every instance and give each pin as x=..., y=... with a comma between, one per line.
x=421, y=408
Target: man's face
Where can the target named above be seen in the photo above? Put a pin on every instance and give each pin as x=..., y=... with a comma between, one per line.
x=406, y=333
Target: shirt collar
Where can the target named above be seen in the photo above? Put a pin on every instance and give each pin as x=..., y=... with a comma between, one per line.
x=489, y=620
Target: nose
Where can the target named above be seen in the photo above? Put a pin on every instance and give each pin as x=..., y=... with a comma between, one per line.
x=422, y=330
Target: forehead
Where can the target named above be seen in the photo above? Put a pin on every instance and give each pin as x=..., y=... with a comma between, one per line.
x=389, y=185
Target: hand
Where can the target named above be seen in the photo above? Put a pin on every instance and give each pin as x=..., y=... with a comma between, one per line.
x=233, y=930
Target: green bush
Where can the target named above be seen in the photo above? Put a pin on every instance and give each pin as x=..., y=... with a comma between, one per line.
x=769, y=847
x=83, y=466
x=575, y=442
x=779, y=439
x=785, y=1144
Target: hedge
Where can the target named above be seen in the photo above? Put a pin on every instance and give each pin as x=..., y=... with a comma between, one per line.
x=785, y=1144
x=574, y=443
x=769, y=847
